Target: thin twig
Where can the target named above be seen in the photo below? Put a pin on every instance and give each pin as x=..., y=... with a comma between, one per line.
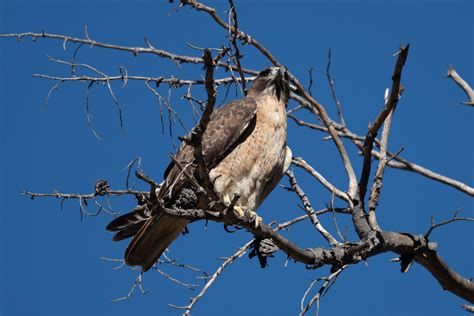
x=88, y=111
x=173, y=81
x=50, y=92
x=310, y=84
x=333, y=209
x=309, y=209
x=446, y=222
x=136, y=283
x=328, y=282
x=189, y=286
x=333, y=90
x=306, y=216
x=233, y=37
x=300, y=162
x=213, y=278
x=81, y=196
x=107, y=82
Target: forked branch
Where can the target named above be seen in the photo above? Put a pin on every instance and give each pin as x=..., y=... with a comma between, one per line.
x=374, y=128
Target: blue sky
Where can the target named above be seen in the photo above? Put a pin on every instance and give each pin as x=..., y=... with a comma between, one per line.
x=50, y=259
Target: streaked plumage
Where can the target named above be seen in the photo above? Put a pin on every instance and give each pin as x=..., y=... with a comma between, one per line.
x=245, y=150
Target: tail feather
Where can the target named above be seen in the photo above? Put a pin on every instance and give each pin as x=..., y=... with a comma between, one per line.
x=129, y=224
x=153, y=232
x=152, y=240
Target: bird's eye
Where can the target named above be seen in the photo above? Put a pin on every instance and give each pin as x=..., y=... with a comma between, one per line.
x=265, y=73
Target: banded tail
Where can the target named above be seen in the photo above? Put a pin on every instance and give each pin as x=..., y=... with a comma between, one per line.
x=153, y=234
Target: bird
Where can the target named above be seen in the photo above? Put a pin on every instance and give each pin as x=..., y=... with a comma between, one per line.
x=245, y=150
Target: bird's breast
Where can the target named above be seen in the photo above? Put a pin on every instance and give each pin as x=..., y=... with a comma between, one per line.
x=247, y=169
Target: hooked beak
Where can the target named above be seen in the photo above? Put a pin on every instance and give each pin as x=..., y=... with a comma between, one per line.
x=282, y=85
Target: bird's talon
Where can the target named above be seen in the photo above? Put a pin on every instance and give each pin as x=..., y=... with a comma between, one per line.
x=257, y=220
x=226, y=199
x=239, y=212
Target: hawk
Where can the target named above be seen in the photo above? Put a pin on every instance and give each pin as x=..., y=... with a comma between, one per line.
x=244, y=148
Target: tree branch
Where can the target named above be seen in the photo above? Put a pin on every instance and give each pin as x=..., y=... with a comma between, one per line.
x=446, y=277
x=378, y=178
x=328, y=282
x=374, y=128
x=173, y=82
x=136, y=50
x=300, y=162
x=195, y=138
x=213, y=278
x=233, y=36
x=449, y=221
x=462, y=84
x=309, y=209
x=333, y=91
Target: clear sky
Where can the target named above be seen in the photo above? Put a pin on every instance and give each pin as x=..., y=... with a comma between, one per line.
x=50, y=259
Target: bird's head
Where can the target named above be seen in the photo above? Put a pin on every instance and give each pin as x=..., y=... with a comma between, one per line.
x=272, y=80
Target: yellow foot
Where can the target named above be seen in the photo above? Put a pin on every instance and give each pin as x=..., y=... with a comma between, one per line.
x=243, y=212
x=257, y=220
x=239, y=211
x=226, y=199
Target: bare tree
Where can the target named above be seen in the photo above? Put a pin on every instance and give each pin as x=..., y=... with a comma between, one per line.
x=359, y=199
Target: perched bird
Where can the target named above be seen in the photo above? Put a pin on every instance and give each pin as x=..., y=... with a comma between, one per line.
x=244, y=148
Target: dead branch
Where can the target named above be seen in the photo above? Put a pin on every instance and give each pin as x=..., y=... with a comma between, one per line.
x=240, y=35
x=328, y=282
x=462, y=84
x=401, y=163
x=136, y=283
x=233, y=37
x=333, y=91
x=173, y=82
x=134, y=50
x=189, y=286
x=334, y=211
x=446, y=277
x=300, y=162
x=374, y=128
x=309, y=209
x=310, y=84
x=213, y=278
x=139, y=280
x=195, y=137
x=378, y=178
x=67, y=196
x=446, y=222
x=306, y=216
